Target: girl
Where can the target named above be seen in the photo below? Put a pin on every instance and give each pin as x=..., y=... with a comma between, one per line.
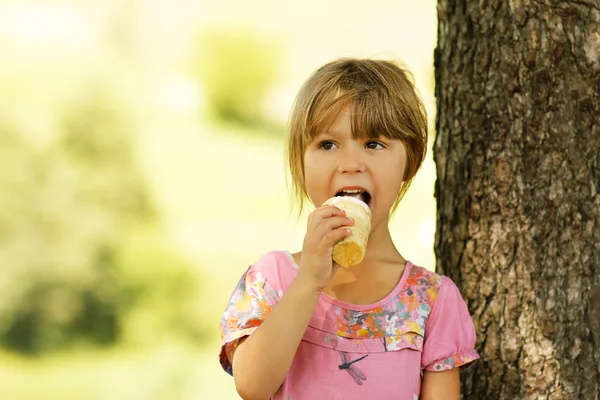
x=299, y=327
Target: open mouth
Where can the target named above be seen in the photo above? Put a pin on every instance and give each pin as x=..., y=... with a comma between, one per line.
x=359, y=194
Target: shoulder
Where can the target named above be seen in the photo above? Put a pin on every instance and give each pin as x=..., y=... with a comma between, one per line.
x=423, y=280
x=275, y=267
x=431, y=284
x=421, y=275
x=276, y=261
x=441, y=295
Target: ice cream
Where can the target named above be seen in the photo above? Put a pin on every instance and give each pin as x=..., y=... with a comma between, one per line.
x=351, y=250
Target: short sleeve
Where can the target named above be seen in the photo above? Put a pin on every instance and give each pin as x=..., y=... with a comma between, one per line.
x=449, y=332
x=251, y=301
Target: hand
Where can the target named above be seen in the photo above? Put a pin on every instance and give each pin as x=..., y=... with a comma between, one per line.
x=326, y=226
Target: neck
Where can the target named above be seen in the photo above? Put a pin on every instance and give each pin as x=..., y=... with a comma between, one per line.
x=380, y=243
x=380, y=248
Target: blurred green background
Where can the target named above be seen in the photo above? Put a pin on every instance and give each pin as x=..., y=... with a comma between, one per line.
x=141, y=145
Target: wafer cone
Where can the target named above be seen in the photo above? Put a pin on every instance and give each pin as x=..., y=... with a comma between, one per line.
x=351, y=250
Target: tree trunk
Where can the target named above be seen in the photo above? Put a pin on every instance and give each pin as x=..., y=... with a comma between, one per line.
x=518, y=163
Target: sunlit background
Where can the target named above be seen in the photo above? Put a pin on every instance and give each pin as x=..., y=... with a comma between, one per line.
x=141, y=145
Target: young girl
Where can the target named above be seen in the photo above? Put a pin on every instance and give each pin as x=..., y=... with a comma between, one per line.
x=299, y=327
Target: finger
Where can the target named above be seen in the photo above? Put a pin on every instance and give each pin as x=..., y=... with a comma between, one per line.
x=323, y=213
x=327, y=212
x=335, y=236
x=331, y=224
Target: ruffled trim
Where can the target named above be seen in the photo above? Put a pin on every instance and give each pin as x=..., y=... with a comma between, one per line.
x=461, y=360
x=230, y=344
x=406, y=340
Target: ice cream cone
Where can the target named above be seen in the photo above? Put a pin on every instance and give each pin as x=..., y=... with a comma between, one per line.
x=351, y=250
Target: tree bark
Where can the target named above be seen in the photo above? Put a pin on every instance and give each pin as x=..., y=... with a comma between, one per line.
x=518, y=179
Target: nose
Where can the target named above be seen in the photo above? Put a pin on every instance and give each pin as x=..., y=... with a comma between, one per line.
x=350, y=161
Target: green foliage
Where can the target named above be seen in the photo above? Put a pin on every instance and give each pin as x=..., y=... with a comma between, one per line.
x=237, y=68
x=70, y=214
x=162, y=291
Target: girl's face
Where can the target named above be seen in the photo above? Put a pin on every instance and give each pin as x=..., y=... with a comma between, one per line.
x=334, y=161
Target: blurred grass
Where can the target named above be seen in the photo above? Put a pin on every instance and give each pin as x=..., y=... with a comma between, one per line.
x=170, y=370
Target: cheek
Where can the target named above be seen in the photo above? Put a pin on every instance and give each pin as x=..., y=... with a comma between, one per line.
x=313, y=180
x=393, y=183
x=318, y=172
x=393, y=177
x=311, y=176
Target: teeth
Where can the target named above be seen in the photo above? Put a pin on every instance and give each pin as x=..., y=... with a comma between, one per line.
x=352, y=191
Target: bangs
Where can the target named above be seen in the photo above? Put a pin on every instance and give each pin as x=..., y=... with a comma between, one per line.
x=372, y=115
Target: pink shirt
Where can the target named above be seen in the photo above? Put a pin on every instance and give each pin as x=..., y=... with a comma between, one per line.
x=375, y=351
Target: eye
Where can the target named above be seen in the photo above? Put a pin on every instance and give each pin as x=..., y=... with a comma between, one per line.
x=373, y=145
x=326, y=145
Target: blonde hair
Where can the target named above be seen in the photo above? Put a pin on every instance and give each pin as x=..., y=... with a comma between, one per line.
x=384, y=101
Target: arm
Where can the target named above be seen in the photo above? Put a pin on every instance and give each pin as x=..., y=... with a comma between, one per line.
x=441, y=385
x=261, y=362
x=449, y=344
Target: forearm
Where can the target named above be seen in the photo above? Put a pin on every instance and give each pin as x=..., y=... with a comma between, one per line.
x=261, y=363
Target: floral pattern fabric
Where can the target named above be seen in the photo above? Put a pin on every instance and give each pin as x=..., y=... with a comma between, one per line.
x=251, y=302
x=422, y=325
